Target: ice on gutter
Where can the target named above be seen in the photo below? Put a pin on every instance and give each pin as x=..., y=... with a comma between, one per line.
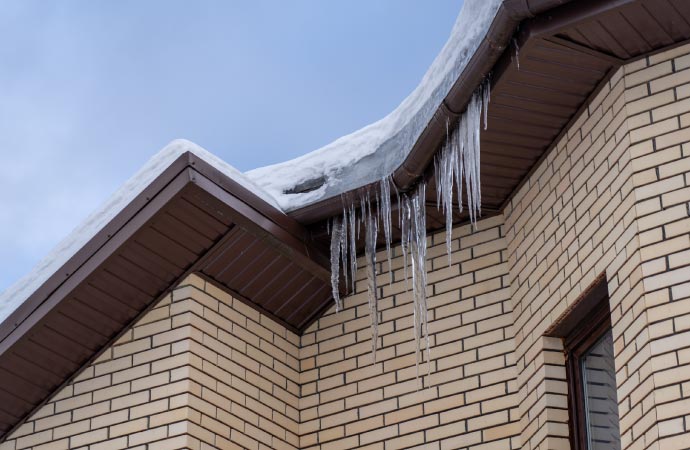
x=16, y=294
x=374, y=152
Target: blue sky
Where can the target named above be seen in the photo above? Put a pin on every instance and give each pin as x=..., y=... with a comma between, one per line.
x=90, y=89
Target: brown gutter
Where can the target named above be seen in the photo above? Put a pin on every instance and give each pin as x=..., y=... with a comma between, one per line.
x=508, y=17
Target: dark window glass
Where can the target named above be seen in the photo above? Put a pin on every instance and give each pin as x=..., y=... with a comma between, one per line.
x=601, y=402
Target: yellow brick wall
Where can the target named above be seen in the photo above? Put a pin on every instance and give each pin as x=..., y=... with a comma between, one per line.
x=571, y=220
x=611, y=197
x=660, y=162
x=200, y=370
x=470, y=400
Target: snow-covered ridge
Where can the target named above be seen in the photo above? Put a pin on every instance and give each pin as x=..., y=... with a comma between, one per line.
x=375, y=151
x=16, y=294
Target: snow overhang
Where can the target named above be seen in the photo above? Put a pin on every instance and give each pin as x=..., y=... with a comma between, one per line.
x=402, y=144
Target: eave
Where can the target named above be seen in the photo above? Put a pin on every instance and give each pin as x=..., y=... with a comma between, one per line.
x=560, y=71
x=191, y=218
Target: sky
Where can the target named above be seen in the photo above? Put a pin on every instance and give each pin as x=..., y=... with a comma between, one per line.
x=91, y=89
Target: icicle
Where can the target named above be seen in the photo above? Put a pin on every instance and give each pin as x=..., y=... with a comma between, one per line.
x=446, y=166
x=405, y=220
x=465, y=142
x=475, y=121
x=419, y=278
x=371, y=230
x=459, y=160
x=438, y=172
x=486, y=97
x=361, y=218
x=344, y=246
x=397, y=204
x=397, y=199
x=517, y=52
x=352, y=218
x=459, y=169
x=395, y=188
x=336, y=239
x=386, y=213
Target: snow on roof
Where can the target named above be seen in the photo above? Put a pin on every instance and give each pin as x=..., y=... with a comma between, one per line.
x=375, y=151
x=355, y=160
x=16, y=294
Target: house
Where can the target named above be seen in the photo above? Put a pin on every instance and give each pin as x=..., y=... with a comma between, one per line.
x=193, y=312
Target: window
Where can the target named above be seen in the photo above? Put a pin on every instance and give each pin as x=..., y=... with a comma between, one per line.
x=590, y=369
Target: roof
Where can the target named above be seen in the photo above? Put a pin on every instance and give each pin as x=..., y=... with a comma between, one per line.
x=183, y=214
x=188, y=212
x=17, y=294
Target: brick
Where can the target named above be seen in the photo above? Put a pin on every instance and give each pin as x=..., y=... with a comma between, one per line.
x=52, y=421
x=150, y=435
x=71, y=429
x=673, y=138
x=650, y=73
x=656, y=129
x=88, y=438
x=669, y=81
x=34, y=439
x=128, y=427
x=110, y=444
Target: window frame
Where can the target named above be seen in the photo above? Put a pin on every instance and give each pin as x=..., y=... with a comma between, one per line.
x=590, y=330
x=583, y=323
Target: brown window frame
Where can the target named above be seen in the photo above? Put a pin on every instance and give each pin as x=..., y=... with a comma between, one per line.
x=591, y=329
x=585, y=322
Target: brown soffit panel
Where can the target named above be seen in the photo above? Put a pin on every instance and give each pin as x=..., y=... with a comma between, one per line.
x=250, y=211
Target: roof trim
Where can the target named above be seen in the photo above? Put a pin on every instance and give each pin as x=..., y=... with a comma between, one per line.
x=282, y=231
x=508, y=17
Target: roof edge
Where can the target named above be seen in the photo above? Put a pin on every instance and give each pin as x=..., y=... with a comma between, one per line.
x=180, y=172
x=497, y=38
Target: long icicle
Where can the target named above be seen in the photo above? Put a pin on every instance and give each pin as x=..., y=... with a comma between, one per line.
x=404, y=214
x=472, y=163
x=445, y=163
x=486, y=98
x=438, y=171
x=418, y=247
x=371, y=230
x=385, y=209
x=336, y=237
x=352, y=219
x=343, y=246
